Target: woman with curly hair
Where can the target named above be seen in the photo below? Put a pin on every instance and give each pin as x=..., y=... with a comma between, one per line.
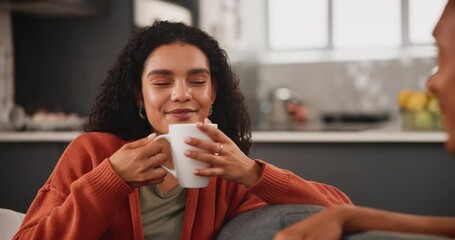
x=109, y=183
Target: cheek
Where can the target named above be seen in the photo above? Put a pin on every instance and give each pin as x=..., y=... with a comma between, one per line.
x=153, y=100
x=206, y=100
x=209, y=95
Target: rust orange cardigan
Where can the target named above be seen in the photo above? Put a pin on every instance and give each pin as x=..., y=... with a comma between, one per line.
x=84, y=198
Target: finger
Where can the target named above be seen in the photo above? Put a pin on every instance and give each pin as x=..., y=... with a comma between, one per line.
x=203, y=157
x=153, y=176
x=155, y=181
x=206, y=120
x=209, y=172
x=211, y=131
x=204, y=144
x=138, y=143
x=158, y=173
x=152, y=162
x=158, y=159
x=151, y=148
x=152, y=136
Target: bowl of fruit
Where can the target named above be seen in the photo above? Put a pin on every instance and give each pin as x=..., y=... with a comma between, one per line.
x=419, y=111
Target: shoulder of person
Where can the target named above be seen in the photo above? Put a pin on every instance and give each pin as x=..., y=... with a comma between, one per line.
x=97, y=140
x=82, y=155
x=91, y=148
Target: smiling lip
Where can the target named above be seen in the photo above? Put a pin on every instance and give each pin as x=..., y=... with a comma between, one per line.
x=181, y=114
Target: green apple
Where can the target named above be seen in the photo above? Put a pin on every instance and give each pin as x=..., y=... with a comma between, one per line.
x=423, y=119
x=433, y=106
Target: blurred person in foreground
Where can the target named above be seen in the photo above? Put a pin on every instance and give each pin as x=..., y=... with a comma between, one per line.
x=335, y=221
x=109, y=183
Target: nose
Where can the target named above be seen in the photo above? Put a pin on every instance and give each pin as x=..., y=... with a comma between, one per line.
x=181, y=92
x=432, y=84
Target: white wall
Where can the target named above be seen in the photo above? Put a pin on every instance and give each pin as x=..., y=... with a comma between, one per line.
x=6, y=62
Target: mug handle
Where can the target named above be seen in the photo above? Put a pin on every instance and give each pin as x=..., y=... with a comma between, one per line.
x=171, y=171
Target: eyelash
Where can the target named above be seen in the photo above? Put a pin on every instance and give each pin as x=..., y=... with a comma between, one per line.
x=193, y=82
x=160, y=84
x=198, y=82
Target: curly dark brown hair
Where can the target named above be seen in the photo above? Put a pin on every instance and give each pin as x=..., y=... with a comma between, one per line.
x=116, y=110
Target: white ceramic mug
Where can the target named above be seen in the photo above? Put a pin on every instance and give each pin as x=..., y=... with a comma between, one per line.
x=183, y=165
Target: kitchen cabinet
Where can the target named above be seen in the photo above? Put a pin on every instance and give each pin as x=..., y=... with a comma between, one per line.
x=410, y=177
x=55, y=8
x=24, y=167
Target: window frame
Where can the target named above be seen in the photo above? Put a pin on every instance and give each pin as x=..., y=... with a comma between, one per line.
x=405, y=37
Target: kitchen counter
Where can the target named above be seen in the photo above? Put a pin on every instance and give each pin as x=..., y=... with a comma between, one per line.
x=377, y=135
x=364, y=136
x=390, y=131
x=38, y=136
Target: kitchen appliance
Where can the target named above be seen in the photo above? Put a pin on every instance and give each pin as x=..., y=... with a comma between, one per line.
x=278, y=113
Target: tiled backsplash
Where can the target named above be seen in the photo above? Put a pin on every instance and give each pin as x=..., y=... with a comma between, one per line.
x=363, y=86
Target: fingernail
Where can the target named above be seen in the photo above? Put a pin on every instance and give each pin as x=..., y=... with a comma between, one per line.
x=196, y=172
x=199, y=124
x=187, y=140
x=153, y=135
x=187, y=152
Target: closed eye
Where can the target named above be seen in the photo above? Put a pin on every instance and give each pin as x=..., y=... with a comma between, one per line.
x=161, y=83
x=198, y=82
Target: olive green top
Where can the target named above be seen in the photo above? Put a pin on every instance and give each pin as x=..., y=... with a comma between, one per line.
x=162, y=213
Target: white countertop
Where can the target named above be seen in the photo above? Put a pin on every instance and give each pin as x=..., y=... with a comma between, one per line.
x=264, y=136
x=38, y=136
x=384, y=132
x=361, y=136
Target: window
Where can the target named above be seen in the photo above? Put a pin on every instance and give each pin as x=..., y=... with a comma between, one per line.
x=365, y=23
x=421, y=28
x=341, y=24
x=297, y=23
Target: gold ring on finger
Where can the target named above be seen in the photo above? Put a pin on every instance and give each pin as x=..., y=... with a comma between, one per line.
x=219, y=150
x=157, y=158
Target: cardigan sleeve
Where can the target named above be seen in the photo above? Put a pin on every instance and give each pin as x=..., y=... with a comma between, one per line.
x=78, y=200
x=280, y=186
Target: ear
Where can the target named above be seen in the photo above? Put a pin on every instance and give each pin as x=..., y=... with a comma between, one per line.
x=214, y=88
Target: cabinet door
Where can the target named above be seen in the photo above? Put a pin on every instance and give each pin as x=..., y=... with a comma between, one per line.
x=24, y=168
x=406, y=177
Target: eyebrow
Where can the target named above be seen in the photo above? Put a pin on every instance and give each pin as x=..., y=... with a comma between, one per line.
x=198, y=71
x=193, y=71
x=159, y=72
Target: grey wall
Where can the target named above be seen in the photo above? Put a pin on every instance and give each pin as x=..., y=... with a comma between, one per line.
x=60, y=62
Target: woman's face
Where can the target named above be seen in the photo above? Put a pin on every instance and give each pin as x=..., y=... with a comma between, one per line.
x=442, y=84
x=176, y=86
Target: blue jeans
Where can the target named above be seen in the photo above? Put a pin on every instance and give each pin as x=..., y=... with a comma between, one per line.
x=265, y=222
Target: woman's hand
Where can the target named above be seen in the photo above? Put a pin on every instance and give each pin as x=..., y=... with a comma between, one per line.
x=325, y=225
x=225, y=158
x=139, y=162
